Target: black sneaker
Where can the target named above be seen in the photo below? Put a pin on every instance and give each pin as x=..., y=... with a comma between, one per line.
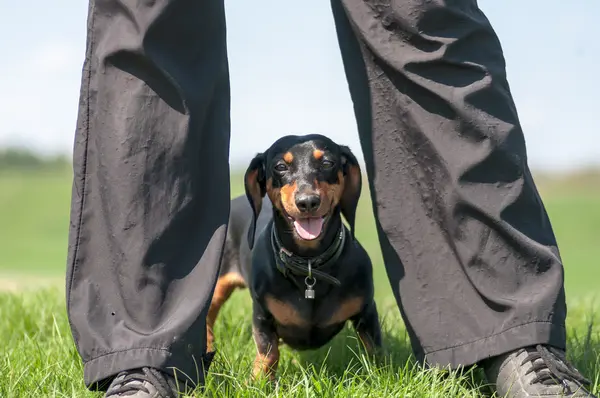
x=143, y=383
x=539, y=371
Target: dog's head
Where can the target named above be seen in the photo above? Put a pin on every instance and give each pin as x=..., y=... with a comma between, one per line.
x=308, y=179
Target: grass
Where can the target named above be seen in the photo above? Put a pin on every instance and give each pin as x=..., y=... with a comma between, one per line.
x=34, y=219
x=40, y=360
x=38, y=357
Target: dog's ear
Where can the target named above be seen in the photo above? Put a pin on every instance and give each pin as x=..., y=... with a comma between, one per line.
x=352, y=186
x=255, y=185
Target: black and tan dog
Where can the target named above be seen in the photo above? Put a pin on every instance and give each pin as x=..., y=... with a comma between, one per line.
x=306, y=273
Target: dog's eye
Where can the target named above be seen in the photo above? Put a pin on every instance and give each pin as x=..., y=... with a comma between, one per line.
x=327, y=164
x=281, y=167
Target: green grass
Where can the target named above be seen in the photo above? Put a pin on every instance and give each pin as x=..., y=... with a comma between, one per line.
x=38, y=357
x=34, y=220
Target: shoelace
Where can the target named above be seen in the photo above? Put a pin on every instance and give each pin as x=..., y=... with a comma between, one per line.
x=550, y=370
x=133, y=382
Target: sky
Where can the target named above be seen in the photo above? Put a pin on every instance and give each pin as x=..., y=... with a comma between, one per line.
x=287, y=75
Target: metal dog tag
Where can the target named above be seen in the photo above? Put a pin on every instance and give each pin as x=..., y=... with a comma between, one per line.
x=309, y=293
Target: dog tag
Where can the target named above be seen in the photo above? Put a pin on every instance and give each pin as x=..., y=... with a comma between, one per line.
x=309, y=293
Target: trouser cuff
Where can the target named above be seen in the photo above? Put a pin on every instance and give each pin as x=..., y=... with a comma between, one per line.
x=512, y=339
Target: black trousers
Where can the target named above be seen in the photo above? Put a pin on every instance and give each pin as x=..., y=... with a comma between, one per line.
x=467, y=243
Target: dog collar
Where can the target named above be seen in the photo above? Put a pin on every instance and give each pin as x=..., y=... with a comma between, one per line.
x=309, y=267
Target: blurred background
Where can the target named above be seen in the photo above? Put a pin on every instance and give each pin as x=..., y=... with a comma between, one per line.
x=287, y=77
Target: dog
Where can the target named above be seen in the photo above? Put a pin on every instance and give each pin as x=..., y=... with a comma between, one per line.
x=305, y=271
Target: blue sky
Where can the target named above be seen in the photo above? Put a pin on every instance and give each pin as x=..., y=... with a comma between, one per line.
x=287, y=74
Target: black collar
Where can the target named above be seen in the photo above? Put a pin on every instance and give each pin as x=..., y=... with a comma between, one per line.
x=310, y=267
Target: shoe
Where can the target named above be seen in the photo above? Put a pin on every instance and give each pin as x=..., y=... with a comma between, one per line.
x=539, y=371
x=143, y=383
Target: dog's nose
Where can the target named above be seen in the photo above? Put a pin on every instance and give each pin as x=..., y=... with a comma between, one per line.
x=307, y=202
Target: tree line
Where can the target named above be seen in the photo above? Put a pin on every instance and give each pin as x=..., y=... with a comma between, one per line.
x=15, y=159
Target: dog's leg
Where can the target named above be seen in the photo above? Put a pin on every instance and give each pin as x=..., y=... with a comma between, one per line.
x=267, y=345
x=366, y=324
x=226, y=284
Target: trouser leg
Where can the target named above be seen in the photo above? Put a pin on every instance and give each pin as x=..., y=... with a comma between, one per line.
x=467, y=243
x=150, y=195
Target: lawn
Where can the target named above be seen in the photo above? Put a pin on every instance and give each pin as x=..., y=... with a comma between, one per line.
x=38, y=358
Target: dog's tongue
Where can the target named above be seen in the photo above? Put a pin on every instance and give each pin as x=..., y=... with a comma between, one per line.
x=308, y=228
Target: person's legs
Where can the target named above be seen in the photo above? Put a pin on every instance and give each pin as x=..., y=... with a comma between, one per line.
x=467, y=243
x=150, y=196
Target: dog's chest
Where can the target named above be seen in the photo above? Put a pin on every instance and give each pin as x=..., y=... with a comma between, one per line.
x=311, y=322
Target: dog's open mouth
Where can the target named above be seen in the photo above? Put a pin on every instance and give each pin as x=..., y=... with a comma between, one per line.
x=309, y=228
